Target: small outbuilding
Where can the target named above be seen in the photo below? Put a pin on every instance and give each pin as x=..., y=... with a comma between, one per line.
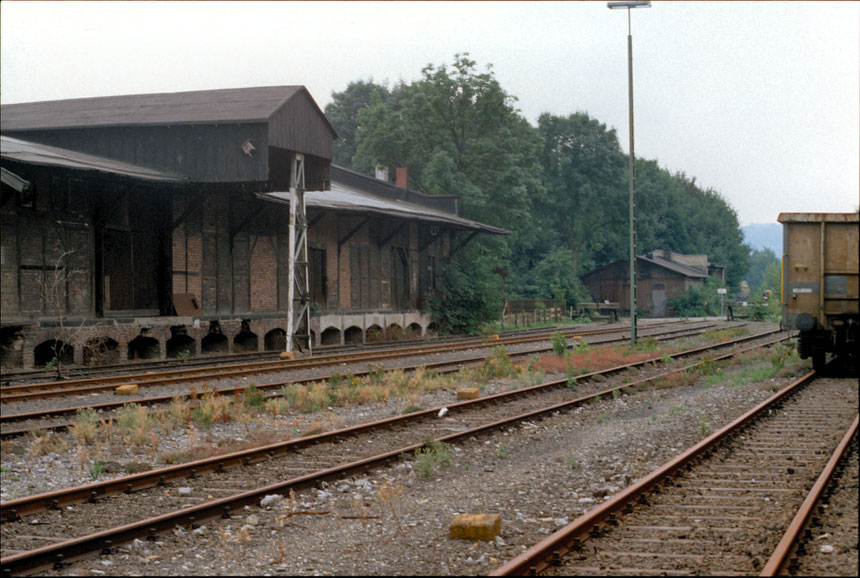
x=660, y=276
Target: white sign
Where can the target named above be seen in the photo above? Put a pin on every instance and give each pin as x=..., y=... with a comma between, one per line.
x=801, y=290
x=721, y=291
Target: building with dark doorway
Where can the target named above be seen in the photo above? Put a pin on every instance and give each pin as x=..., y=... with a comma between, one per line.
x=152, y=226
x=660, y=275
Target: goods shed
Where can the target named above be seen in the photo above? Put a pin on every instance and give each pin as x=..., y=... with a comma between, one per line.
x=159, y=224
x=660, y=275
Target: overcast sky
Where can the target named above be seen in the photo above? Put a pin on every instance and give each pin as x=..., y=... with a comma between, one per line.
x=757, y=100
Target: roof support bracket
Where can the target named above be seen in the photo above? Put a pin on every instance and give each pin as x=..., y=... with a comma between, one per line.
x=193, y=205
x=427, y=243
x=349, y=235
x=252, y=215
x=16, y=182
x=396, y=230
x=463, y=243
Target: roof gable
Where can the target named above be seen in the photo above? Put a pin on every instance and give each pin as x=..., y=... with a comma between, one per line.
x=208, y=136
x=228, y=105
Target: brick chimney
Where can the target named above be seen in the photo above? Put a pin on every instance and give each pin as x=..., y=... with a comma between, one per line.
x=402, y=180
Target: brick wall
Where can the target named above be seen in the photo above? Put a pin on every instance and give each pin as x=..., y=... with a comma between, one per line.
x=46, y=262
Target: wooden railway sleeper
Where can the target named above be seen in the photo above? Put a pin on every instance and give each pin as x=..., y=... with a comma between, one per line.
x=193, y=474
x=230, y=391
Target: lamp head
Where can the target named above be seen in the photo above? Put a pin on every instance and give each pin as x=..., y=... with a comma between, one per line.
x=629, y=4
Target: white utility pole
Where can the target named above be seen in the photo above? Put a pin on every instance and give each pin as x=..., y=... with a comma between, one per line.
x=298, y=294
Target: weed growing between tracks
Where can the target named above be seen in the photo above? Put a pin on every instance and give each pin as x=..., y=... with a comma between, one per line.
x=581, y=358
x=434, y=454
x=143, y=432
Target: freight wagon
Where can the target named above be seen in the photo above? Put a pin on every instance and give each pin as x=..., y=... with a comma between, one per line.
x=820, y=283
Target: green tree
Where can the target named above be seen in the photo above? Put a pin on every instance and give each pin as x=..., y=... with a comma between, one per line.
x=471, y=293
x=772, y=279
x=676, y=214
x=584, y=176
x=760, y=261
x=458, y=132
x=342, y=113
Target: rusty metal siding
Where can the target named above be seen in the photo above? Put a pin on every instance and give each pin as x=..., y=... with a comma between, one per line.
x=203, y=153
x=299, y=126
x=821, y=265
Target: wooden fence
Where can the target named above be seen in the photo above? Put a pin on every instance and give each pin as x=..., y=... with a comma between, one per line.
x=531, y=311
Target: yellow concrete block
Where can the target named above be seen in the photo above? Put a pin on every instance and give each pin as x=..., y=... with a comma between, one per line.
x=493, y=337
x=128, y=389
x=468, y=393
x=288, y=355
x=476, y=526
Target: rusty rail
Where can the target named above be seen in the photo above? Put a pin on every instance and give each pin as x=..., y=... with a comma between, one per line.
x=10, y=509
x=541, y=555
x=779, y=559
x=455, y=364
x=106, y=383
x=56, y=555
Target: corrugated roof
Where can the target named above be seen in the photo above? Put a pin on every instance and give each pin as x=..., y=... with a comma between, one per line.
x=358, y=181
x=344, y=198
x=229, y=105
x=22, y=151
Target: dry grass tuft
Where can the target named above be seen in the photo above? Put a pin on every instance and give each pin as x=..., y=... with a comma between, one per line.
x=45, y=442
x=136, y=426
x=85, y=426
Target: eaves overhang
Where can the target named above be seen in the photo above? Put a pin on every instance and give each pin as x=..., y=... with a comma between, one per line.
x=21, y=151
x=344, y=199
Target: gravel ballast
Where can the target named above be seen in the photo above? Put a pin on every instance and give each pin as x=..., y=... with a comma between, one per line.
x=538, y=476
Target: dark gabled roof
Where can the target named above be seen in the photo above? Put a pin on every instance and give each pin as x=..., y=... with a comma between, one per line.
x=229, y=105
x=673, y=266
x=20, y=151
x=659, y=262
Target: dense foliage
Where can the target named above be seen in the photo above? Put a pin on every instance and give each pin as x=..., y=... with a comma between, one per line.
x=698, y=301
x=342, y=113
x=764, y=272
x=561, y=188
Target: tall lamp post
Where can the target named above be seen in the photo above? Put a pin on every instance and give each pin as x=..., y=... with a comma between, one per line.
x=628, y=4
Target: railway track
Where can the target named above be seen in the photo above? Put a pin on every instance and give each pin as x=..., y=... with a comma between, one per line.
x=36, y=530
x=12, y=377
x=7, y=418
x=733, y=504
x=20, y=392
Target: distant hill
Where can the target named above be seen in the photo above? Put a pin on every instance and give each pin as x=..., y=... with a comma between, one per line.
x=761, y=235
